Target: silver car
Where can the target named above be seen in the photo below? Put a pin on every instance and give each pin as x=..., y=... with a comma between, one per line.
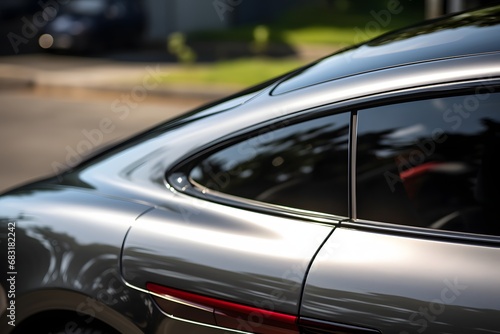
x=358, y=194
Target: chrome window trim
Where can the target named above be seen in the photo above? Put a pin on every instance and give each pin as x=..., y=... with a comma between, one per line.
x=253, y=205
x=189, y=187
x=353, y=149
x=423, y=232
x=178, y=179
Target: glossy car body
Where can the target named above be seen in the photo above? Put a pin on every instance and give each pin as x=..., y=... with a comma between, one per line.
x=151, y=236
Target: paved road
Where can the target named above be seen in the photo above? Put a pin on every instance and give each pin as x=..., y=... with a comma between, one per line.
x=40, y=130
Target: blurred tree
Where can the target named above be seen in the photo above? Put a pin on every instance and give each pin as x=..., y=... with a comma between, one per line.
x=436, y=8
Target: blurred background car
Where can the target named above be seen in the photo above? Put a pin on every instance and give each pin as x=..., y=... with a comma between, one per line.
x=92, y=25
x=14, y=8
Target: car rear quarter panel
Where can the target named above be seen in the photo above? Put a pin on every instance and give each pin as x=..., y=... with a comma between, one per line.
x=68, y=240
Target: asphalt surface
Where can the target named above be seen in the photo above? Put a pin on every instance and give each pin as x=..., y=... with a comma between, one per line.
x=41, y=129
x=51, y=104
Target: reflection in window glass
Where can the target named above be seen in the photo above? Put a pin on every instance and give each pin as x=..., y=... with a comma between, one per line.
x=302, y=166
x=431, y=163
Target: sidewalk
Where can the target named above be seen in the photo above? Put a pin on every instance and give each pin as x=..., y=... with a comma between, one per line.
x=121, y=72
x=70, y=73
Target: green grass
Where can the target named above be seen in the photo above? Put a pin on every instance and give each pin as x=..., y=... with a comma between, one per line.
x=327, y=35
x=315, y=22
x=319, y=35
x=237, y=73
x=338, y=24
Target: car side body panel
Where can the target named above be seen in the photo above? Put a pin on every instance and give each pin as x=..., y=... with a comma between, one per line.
x=69, y=240
x=226, y=253
x=398, y=282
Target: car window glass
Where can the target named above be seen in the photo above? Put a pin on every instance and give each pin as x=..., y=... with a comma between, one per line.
x=432, y=163
x=302, y=166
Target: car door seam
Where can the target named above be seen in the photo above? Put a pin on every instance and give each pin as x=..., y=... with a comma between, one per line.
x=306, y=273
x=122, y=250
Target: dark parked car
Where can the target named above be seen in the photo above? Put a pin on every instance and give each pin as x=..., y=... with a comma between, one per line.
x=355, y=195
x=90, y=25
x=14, y=9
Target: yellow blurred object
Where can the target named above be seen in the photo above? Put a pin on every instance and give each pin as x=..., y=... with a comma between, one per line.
x=176, y=45
x=260, y=39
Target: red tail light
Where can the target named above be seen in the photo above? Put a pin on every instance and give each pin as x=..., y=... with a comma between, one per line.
x=216, y=312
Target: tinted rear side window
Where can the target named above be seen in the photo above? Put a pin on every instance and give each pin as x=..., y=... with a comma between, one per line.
x=302, y=166
x=432, y=163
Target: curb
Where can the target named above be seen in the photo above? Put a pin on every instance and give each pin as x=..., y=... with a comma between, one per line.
x=201, y=93
x=95, y=79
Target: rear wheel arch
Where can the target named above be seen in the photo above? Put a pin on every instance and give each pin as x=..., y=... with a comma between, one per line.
x=62, y=321
x=54, y=310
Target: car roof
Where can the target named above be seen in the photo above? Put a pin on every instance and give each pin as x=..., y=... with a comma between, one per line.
x=464, y=34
